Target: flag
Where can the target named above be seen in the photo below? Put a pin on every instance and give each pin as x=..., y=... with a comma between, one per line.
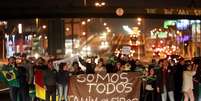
x=39, y=85
x=9, y=75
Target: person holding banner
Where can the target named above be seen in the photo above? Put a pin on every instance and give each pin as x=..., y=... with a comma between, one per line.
x=100, y=67
x=10, y=74
x=62, y=80
x=150, y=85
x=77, y=69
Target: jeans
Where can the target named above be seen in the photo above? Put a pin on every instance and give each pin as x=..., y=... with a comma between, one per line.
x=199, y=92
x=63, y=91
x=149, y=96
x=169, y=93
x=24, y=94
x=51, y=91
x=14, y=92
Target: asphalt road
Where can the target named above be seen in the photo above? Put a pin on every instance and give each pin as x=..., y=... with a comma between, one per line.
x=4, y=96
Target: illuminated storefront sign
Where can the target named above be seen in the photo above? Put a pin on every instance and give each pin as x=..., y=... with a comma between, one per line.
x=171, y=11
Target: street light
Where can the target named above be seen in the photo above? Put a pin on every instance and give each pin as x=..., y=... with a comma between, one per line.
x=83, y=23
x=88, y=20
x=84, y=33
x=67, y=29
x=139, y=19
x=105, y=24
x=44, y=26
x=99, y=4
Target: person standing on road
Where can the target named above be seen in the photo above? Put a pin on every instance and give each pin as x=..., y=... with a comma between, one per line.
x=50, y=81
x=187, y=87
x=62, y=80
x=28, y=71
x=179, y=68
x=150, y=85
x=165, y=81
x=23, y=89
x=10, y=73
x=39, y=69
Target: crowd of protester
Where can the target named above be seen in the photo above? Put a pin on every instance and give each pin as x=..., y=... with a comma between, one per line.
x=163, y=80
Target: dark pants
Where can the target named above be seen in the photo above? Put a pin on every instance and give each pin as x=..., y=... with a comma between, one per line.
x=51, y=91
x=24, y=93
x=14, y=91
x=149, y=96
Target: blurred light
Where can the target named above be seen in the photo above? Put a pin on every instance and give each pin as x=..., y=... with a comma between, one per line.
x=83, y=23
x=198, y=21
x=3, y=23
x=109, y=30
x=178, y=32
x=96, y=4
x=105, y=24
x=120, y=11
x=36, y=55
x=127, y=29
x=139, y=19
x=34, y=35
x=20, y=28
x=139, y=23
x=83, y=33
x=161, y=41
x=6, y=36
x=103, y=3
x=18, y=48
x=67, y=29
x=45, y=37
x=88, y=20
x=44, y=26
x=99, y=4
x=40, y=37
x=113, y=34
x=104, y=45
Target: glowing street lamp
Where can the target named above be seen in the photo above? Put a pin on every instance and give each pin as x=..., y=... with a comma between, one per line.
x=88, y=20
x=99, y=4
x=67, y=29
x=105, y=24
x=84, y=33
x=139, y=19
x=44, y=26
x=83, y=23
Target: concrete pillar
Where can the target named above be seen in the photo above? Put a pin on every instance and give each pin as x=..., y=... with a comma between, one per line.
x=56, y=37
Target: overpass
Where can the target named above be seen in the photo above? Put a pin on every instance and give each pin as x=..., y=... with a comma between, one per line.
x=85, y=8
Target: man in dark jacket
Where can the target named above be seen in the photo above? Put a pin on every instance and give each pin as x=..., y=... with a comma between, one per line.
x=50, y=81
x=23, y=90
x=197, y=79
x=179, y=79
x=165, y=82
